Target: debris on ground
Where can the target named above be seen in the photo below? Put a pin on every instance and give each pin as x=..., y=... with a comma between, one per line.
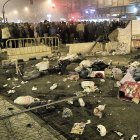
x=11, y=91
x=127, y=77
x=120, y=134
x=25, y=100
x=5, y=85
x=102, y=80
x=81, y=102
x=98, y=111
x=72, y=57
x=117, y=74
x=65, y=79
x=70, y=102
x=44, y=65
x=102, y=130
x=67, y=113
x=108, y=72
x=34, y=88
x=130, y=91
x=54, y=86
x=15, y=79
x=73, y=77
x=78, y=128
x=8, y=79
x=88, y=86
x=134, y=137
x=88, y=122
x=97, y=74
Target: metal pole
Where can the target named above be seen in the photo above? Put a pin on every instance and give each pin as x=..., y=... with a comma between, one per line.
x=40, y=106
x=3, y=10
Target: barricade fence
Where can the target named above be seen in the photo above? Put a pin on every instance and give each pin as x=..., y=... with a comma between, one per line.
x=32, y=45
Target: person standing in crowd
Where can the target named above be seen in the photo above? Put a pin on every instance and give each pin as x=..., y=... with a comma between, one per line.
x=80, y=30
x=0, y=36
x=5, y=35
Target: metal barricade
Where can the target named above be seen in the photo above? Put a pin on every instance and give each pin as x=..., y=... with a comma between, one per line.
x=22, y=46
x=52, y=42
x=26, y=48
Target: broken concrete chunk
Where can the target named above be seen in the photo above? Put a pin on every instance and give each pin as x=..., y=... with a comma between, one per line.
x=54, y=86
x=102, y=130
x=25, y=100
x=67, y=113
x=81, y=102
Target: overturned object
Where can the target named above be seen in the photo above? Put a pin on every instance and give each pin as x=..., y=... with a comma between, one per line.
x=78, y=128
x=102, y=130
x=129, y=91
x=25, y=100
x=67, y=113
x=88, y=86
x=98, y=111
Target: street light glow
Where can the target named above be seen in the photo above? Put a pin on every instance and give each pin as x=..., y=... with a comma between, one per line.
x=15, y=12
x=26, y=9
x=49, y=1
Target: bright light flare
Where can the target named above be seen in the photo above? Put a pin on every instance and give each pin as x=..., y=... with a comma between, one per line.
x=26, y=9
x=49, y=1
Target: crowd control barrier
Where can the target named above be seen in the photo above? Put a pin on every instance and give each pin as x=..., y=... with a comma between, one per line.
x=25, y=48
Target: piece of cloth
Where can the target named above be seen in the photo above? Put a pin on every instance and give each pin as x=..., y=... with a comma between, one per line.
x=130, y=90
x=44, y=65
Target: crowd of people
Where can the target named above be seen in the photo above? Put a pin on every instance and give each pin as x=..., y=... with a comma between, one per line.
x=68, y=32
